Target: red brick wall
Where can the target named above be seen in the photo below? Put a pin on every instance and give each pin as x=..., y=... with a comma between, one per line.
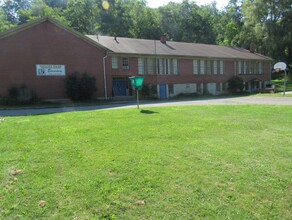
x=46, y=43
x=185, y=73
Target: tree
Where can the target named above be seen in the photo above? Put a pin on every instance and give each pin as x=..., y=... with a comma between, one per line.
x=4, y=23
x=12, y=7
x=145, y=22
x=186, y=22
x=82, y=15
x=270, y=23
x=235, y=84
x=229, y=24
x=57, y=3
x=39, y=9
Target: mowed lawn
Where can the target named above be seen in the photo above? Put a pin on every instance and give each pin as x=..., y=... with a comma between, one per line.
x=195, y=162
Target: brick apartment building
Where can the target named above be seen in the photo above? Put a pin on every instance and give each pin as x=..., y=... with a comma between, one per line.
x=41, y=53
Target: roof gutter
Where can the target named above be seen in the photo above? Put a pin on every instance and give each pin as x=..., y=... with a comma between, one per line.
x=104, y=77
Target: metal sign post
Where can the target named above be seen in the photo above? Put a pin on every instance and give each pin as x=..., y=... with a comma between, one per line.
x=279, y=67
x=137, y=84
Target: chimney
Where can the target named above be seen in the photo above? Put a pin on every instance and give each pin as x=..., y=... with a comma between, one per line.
x=252, y=47
x=163, y=39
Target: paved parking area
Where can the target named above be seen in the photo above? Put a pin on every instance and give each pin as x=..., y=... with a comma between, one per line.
x=252, y=100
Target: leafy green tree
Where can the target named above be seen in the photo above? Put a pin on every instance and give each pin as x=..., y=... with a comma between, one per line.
x=229, y=24
x=57, y=3
x=82, y=15
x=4, y=23
x=117, y=21
x=185, y=22
x=12, y=7
x=270, y=22
x=40, y=9
x=145, y=22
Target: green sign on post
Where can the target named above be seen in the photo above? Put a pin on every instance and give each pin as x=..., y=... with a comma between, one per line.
x=137, y=84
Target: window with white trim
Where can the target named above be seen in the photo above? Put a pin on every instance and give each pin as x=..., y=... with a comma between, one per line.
x=159, y=66
x=150, y=66
x=239, y=67
x=221, y=67
x=115, y=63
x=141, y=66
x=167, y=64
x=125, y=63
x=215, y=67
x=261, y=68
x=196, y=67
x=209, y=67
x=175, y=66
x=202, y=67
x=250, y=67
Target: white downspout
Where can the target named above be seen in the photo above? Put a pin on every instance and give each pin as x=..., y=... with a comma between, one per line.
x=104, y=78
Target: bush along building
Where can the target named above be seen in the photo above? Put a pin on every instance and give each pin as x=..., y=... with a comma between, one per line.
x=40, y=55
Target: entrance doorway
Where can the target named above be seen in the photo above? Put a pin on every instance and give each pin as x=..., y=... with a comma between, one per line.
x=163, y=91
x=120, y=87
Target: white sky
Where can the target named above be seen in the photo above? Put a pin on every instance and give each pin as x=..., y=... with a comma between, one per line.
x=156, y=3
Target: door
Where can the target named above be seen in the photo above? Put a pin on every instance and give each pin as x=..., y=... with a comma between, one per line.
x=163, y=91
x=120, y=87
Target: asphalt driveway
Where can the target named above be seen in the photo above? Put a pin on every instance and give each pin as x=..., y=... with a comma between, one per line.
x=253, y=100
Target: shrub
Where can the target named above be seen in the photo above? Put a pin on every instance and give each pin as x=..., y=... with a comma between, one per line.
x=236, y=84
x=21, y=95
x=80, y=88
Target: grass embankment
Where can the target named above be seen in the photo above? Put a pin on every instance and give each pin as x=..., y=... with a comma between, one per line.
x=208, y=162
x=280, y=85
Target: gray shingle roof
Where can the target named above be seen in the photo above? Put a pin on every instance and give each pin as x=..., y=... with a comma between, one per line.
x=147, y=47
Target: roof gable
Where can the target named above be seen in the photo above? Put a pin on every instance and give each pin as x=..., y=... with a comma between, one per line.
x=36, y=22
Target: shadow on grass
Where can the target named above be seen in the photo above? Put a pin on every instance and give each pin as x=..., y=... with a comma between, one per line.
x=148, y=112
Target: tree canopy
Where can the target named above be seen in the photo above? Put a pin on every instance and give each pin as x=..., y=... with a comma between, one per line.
x=263, y=25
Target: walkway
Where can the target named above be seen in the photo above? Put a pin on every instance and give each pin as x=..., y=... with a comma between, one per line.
x=253, y=100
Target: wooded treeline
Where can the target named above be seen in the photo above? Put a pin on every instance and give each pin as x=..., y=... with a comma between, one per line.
x=264, y=26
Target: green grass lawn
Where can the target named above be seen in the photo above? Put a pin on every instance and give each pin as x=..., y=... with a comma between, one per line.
x=196, y=162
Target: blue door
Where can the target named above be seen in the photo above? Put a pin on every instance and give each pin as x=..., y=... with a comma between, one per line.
x=120, y=87
x=162, y=91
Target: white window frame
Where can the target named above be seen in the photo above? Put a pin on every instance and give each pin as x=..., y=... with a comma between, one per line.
x=222, y=67
x=141, y=66
x=167, y=66
x=261, y=67
x=150, y=66
x=196, y=67
x=115, y=63
x=239, y=67
x=215, y=67
x=125, y=63
x=202, y=67
x=209, y=67
x=159, y=66
x=175, y=66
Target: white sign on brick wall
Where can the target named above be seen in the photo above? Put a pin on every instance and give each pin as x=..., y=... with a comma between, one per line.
x=50, y=70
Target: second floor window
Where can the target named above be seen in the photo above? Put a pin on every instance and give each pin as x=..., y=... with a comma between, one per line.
x=115, y=63
x=125, y=63
x=208, y=67
x=141, y=66
x=250, y=67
